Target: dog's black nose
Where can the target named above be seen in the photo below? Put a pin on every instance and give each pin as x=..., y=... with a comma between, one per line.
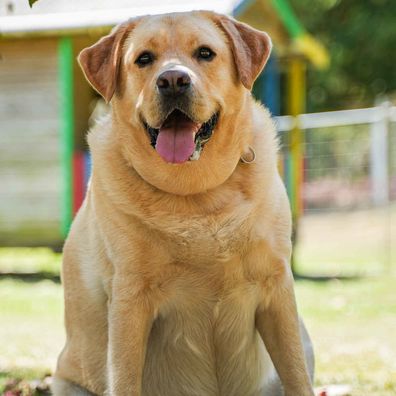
x=173, y=82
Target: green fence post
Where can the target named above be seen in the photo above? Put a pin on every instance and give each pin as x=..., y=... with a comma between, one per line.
x=66, y=111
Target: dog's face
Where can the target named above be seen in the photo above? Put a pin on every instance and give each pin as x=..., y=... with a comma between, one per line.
x=182, y=80
x=178, y=88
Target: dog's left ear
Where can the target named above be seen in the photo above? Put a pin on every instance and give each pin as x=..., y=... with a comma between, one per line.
x=250, y=47
x=101, y=62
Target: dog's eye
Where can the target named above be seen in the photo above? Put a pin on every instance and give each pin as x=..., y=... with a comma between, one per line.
x=144, y=59
x=205, y=53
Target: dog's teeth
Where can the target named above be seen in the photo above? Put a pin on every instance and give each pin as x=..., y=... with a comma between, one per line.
x=197, y=152
x=195, y=155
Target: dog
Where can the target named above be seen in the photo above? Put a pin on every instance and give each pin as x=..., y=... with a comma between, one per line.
x=176, y=269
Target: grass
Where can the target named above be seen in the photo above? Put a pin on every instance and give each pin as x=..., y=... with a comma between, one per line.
x=359, y=242
x=31, y=314
x=31, y=328
x=352, y=322
x=29, y=260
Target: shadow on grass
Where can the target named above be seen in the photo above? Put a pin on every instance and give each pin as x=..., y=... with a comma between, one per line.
x=31, y=277
x=326, y=278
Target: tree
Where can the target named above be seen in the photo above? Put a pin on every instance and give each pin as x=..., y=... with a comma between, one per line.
x=361, y=38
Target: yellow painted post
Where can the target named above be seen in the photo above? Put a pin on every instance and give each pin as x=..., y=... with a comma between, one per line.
x=296, y=106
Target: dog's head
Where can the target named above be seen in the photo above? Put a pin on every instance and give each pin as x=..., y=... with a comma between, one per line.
x=179, y=86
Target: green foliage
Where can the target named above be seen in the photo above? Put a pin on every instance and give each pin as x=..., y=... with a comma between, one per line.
x=31, y=2
x=361, y=37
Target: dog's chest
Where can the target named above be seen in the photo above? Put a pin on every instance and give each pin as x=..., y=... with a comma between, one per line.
x=205, y=338
x=206, y=239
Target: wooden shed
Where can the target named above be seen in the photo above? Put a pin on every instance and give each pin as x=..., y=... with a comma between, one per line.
x=44, y=108
x=45, y=104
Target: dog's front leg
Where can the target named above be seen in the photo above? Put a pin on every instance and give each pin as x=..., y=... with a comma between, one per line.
x=131, y=314
x=277, y=322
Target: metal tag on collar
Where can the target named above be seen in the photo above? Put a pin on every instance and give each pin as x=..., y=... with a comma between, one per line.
x=251, y=157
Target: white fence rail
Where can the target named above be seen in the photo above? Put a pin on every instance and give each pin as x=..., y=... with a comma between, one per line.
x=337, y=118
x=378, y=118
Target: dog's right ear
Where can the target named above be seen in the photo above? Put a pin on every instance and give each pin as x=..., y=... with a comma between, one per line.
x=101, y=62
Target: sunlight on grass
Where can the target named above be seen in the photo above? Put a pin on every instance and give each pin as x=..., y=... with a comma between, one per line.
x=31, y=328
x=361, y=242
x=352, y=324
x=29, y=260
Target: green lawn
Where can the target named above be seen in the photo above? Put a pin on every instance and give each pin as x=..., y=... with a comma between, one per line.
x=31, y=328
x=348, y=243
x=352, y=323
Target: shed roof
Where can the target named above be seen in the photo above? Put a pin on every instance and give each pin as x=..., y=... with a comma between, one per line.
x=276, y=17
x=64, y=16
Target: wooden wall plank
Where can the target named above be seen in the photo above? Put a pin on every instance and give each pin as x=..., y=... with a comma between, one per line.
x=30, y=176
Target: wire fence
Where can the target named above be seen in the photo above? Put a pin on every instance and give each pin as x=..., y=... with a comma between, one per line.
x=348, y=225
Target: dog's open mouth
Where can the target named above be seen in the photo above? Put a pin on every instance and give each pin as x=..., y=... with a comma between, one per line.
x=179, y=138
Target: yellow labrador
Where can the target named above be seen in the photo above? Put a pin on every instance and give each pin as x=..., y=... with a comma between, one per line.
x=176, y=270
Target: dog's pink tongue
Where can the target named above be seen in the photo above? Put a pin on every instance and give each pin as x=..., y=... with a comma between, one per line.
x=175, y=142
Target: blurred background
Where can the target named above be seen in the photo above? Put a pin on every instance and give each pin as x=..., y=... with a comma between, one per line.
x=331, y=87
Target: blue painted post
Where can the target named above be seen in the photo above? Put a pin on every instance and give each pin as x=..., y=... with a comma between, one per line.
x=271, y=86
